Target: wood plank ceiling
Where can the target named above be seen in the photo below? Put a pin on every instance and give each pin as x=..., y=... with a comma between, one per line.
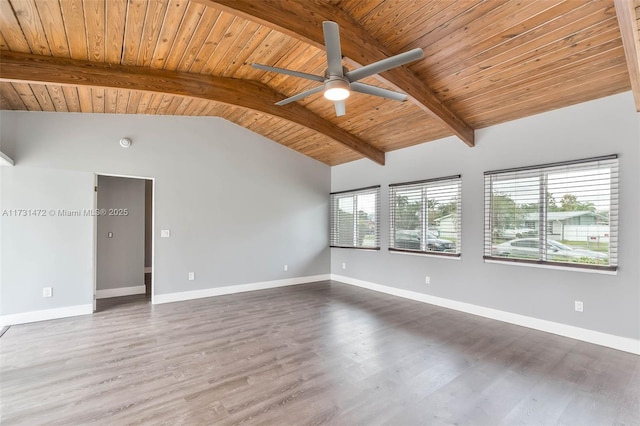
x=486, y=62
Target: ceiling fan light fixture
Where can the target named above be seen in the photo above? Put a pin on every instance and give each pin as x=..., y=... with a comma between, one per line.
x=336, y=90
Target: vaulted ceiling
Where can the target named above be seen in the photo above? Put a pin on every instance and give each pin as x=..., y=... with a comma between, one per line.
x=485, y=62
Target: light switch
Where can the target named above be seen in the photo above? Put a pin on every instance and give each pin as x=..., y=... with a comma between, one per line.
x=165, y=233
x=110, y=235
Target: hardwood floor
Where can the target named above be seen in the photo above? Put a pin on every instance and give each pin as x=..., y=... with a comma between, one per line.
x=309, y=354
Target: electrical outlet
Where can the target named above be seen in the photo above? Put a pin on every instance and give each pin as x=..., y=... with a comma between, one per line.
x=427, y=279
x=47, y=292
x=192, y=276
x=344, y=265
x=579, y=306
x=286, y=267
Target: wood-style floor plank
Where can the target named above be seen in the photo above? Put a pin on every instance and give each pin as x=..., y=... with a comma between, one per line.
x=322, y=353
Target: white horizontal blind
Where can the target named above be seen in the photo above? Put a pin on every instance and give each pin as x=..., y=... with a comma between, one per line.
x=355, y=217
x=426, y=216
x=563, y=213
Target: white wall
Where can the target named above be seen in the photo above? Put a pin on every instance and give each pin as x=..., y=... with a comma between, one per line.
x=120, y=259
x=601, y=127
x=238, y=206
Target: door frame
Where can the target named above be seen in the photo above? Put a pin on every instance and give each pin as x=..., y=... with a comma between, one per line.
x=95, y=230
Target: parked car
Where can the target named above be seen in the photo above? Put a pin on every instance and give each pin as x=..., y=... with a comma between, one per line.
x=411, y=240
x=529, y=248
x=508, y=233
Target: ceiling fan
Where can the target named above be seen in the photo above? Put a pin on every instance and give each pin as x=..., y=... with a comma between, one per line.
x=339, y=82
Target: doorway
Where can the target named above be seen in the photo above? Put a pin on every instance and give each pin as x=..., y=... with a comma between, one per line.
x=123, y=241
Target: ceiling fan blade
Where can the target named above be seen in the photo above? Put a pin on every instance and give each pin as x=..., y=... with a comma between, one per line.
x=332, y=46
x=377, y=91
x=385, y=64
x=341, y=108
x=289, y=72
x=300, y=96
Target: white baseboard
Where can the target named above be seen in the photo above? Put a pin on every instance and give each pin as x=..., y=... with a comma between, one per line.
x=121, y=291
x=241, y=288
x=48, y=314
x=616, y=342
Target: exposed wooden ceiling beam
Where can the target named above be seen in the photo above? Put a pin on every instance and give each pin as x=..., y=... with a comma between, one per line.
x=303, y=20
x=625, y=10
x=24, y=67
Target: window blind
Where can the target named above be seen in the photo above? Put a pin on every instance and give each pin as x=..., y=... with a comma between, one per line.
x=354, y=218
x=426, y=216
x=562, y=213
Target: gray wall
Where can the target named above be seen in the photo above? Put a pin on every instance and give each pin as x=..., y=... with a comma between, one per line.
x=7, y=148
x=611, y=303
x=239, y=206
x=45, y=251
x=7, y=138
x=120, y=259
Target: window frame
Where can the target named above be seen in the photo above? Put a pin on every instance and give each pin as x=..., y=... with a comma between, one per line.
x=333, y=206
x=423, y=185
x=544, y=223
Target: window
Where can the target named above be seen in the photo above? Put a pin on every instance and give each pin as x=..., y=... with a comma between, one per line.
x=355, y=218
x=426, y=216
x=562, y=213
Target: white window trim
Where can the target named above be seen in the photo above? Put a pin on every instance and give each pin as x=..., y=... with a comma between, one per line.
x=543, y=263
x=424, y=227
x=354, y=193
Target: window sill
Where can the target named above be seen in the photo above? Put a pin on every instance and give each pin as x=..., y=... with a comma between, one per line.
x=450, y=256
x=356, y=248
x=550, y=266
